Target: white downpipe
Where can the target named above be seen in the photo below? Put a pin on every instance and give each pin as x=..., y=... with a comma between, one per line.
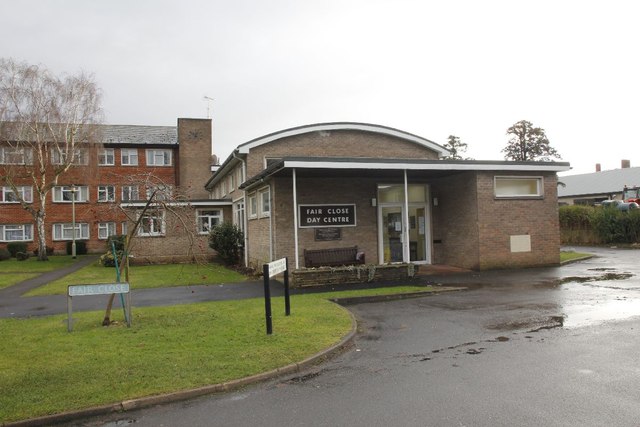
x=245, y=223
x=295, y=218
x=405, y=220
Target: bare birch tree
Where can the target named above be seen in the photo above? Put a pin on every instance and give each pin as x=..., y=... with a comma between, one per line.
x=44, y=121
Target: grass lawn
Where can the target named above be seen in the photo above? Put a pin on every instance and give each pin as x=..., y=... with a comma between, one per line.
x=13, y=271
x=32, y=265
x=570, y=255
x=10, y=279
x=45, y=370
x=145, y=276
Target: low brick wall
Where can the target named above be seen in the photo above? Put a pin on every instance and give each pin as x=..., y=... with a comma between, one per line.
x=325, y=276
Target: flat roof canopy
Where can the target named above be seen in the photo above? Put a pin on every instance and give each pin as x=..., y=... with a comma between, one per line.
x=386, y=167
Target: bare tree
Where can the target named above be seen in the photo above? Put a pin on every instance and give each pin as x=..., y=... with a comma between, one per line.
x=45, y=120
x=162, y=209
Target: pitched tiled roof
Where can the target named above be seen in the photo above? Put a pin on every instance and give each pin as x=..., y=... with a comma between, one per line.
x=605, y=182
x=131, y=134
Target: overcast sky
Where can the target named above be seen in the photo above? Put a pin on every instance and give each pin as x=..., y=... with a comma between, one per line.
x=432, y=68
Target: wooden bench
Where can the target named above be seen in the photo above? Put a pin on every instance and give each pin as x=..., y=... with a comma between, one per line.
x=333, y=257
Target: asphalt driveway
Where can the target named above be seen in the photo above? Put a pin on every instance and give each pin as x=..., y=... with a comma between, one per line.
x=552, y=347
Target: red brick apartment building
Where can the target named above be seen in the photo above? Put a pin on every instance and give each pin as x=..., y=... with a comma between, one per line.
x=390, y=193
x=118, y=171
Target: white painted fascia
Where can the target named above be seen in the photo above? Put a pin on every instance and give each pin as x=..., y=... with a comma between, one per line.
x=440, y=165
x=343, y=126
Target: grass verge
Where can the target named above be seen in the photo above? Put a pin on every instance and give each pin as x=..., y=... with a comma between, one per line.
x=32, y=265
x=10, y=279
x=46, y=370
x=570, y=256
x=145, y=276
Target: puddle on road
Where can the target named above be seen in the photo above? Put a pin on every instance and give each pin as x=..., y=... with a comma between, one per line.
x=603, y=311
x=604, y=277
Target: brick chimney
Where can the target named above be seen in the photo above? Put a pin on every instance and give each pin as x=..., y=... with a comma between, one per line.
x=598, y=167
x=625, y=164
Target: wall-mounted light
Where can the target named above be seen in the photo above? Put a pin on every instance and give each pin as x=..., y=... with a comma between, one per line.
x=374, y=202
x=435, y=201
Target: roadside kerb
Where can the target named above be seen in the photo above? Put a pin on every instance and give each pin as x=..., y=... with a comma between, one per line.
x=392, y=297
x=143, y=402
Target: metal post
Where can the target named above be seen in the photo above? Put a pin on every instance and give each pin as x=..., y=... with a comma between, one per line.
x=287, y=302
x=73, y=221
x=69, y=314
x=267, y=299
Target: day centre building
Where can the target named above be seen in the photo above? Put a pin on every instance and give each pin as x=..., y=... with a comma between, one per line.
x=390, y=194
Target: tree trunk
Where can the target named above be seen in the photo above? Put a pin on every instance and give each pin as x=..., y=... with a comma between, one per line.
x=107, y=315
x=42, y=237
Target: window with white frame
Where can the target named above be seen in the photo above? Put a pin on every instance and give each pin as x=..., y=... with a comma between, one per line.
x=7, y=195
x=206, y=219
x=518, y=186
x=129, y=193
x=160, y=192
x=239, y=176
x=265, y=202
x=158, y=157
x=16, y=156
x=16, y=232
x=129, y=157
x=106, y=157
x=106, y=229
x=124, y=227
x=64, y=231
x=80, y=157
x=253, y=205
x=106, y=193
x=152, y=224
x=64, y=193
x=238, y=214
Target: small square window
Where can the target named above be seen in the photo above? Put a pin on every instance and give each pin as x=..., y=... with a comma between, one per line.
x=253, y=206
x=106, y=193
x=158, y=157
x=106, y=157
x=265, y=203
x=129, y=157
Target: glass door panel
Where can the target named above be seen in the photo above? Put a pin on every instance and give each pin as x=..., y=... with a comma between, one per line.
x=392, y=233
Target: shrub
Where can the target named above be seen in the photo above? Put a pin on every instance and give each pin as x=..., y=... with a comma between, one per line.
x=22, y=256
x=81, y=247
x=107, y=260
x=227, y=239
x=15, y=247
x=118, y=242
x=4, y=254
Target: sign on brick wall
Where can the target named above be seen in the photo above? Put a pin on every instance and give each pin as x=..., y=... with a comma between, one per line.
x=327, y=215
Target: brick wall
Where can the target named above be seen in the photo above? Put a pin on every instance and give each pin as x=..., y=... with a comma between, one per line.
x=501, y=218
x=338, y=190
x=455, y=221
x=194, y=157
x=341, y=143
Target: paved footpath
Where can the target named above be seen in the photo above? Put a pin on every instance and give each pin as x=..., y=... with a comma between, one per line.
x=13, y=304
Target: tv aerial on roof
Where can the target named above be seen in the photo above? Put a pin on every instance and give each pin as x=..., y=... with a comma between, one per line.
x=209, y=100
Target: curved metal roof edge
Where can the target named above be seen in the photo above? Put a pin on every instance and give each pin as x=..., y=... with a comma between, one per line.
x=329, y=126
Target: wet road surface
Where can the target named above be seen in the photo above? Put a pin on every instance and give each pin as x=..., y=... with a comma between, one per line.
x=557, y=349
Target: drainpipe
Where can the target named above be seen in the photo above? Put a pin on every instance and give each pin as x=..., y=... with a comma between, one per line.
x=244, y=214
